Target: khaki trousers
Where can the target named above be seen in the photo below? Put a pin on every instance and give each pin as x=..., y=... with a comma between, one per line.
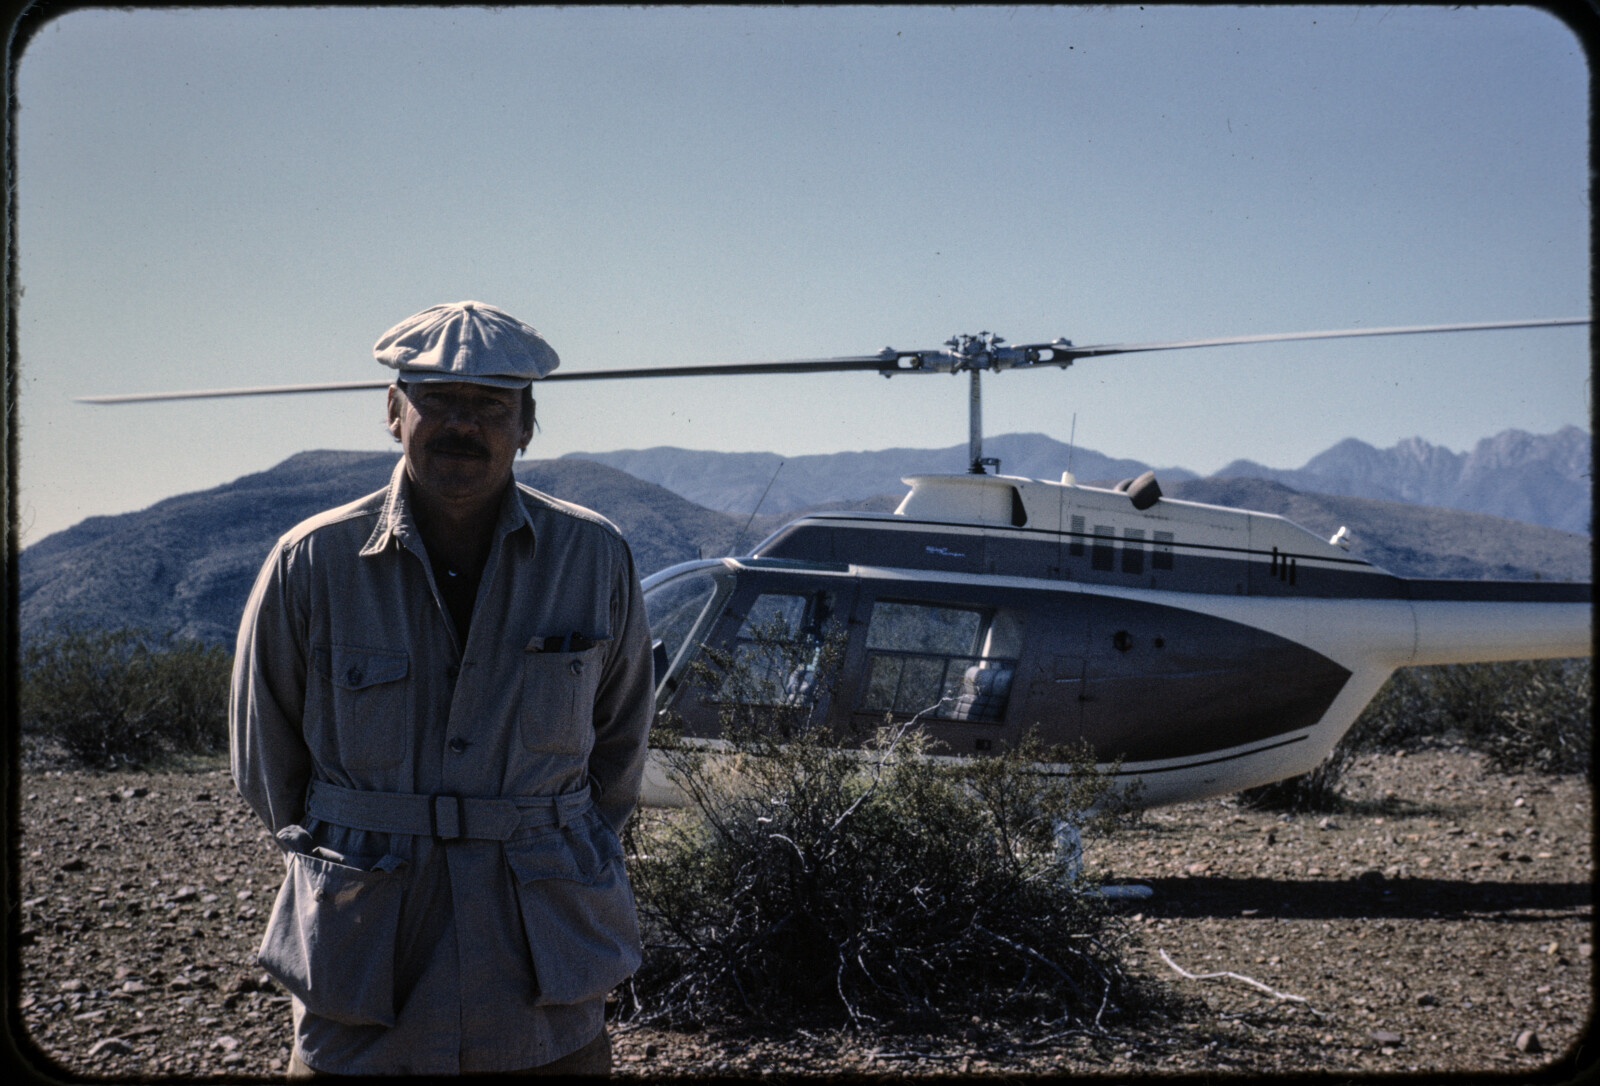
x=593, y=1058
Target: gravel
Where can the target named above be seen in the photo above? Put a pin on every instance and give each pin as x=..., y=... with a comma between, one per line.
x=1441, y=924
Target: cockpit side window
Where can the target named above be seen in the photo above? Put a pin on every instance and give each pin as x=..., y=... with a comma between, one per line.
x=778, y=614
x=778, y=648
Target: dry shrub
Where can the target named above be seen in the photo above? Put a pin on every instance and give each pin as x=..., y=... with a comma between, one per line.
x=123, y=697
x=1319, y=791
x=1524, y=715
x=875, y=885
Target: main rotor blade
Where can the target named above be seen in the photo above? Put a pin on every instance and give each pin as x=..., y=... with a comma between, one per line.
x=214, y=393
x=887, y=361
x=875, y=363
x=1284, y=337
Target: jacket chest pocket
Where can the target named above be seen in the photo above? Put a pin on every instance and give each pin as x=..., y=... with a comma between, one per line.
x=557, y=711
x=362, y=719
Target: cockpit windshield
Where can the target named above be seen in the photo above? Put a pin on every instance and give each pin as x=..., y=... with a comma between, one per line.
x=676, y=604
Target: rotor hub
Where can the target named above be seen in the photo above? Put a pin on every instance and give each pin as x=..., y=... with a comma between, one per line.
x=983, y=351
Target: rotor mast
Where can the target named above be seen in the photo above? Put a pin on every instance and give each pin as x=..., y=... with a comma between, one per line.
x=975, y=427
x=976, y=354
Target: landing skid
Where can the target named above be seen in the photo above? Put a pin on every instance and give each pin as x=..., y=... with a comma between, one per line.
x=1124, y=891
x=1069, y=854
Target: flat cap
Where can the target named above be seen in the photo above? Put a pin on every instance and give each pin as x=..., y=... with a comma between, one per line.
x=466, y=341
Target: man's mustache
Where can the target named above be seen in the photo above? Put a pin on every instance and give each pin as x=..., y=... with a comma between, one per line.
x=457, y=445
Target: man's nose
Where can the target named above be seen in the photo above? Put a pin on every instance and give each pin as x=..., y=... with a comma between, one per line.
x=459, y=416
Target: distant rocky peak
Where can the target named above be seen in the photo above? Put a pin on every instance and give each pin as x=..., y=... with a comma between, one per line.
x=1568, y=451
x=1351, y=459
x=1540, y=478
x=1425, y=454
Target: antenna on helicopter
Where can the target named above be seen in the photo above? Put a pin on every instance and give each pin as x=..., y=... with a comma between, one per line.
x=733, y=552
x=1072, y=447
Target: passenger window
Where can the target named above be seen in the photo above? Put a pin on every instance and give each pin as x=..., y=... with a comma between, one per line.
x=774, y=614
x=1161, y=557
x=956, y=663
x=912, y=627
x=1133, y=550
x=1105, y=548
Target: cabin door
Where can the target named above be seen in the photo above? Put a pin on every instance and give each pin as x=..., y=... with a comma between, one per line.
x=1056, y=680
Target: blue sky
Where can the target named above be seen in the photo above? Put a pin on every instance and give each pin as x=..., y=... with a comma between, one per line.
x=223, y=197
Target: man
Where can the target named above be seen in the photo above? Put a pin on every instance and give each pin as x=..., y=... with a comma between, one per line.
x=441, y=697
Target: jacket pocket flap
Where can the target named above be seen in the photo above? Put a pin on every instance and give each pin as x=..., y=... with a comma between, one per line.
x=327, y=873
x=577, y=852
x=357, y=668
x=574, y=645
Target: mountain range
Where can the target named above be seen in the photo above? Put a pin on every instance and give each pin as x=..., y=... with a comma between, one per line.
x=1541, y=479
x=735, y=482
x=186, y=564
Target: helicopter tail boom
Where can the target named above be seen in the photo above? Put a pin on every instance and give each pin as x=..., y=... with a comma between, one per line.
x=1473, y=632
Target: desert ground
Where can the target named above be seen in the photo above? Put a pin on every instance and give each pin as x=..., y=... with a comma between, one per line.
x=1441, y=924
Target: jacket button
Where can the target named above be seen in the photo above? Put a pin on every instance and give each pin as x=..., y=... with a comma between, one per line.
x=353, y=676
x=319, y=893
x=577, y=667
x=458, y=744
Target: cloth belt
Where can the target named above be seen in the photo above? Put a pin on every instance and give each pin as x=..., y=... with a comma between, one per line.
x=492, y=818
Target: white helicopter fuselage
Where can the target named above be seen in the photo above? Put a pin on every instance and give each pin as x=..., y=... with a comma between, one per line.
x=1201, y=649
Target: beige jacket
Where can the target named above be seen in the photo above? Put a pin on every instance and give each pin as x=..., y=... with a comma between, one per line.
x=455, y=898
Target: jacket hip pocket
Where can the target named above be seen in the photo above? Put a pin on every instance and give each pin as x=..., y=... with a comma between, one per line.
x=577, y=910
x=331, y=939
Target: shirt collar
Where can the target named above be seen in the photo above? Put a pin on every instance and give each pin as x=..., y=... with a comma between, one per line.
x=395, y=521
x=513, y=511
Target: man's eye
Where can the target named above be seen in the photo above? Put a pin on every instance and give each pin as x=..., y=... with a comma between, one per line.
x=485, y=408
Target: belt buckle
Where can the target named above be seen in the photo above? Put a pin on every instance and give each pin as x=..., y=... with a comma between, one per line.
x=446, y=820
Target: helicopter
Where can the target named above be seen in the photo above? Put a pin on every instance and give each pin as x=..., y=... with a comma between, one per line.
x=1196, y=649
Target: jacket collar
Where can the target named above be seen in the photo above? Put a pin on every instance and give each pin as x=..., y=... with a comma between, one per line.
x=395, y=521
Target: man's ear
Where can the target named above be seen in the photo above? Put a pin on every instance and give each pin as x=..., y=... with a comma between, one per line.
x=396, y=407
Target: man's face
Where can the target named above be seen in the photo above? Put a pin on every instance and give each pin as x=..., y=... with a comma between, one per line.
x=459, y=439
